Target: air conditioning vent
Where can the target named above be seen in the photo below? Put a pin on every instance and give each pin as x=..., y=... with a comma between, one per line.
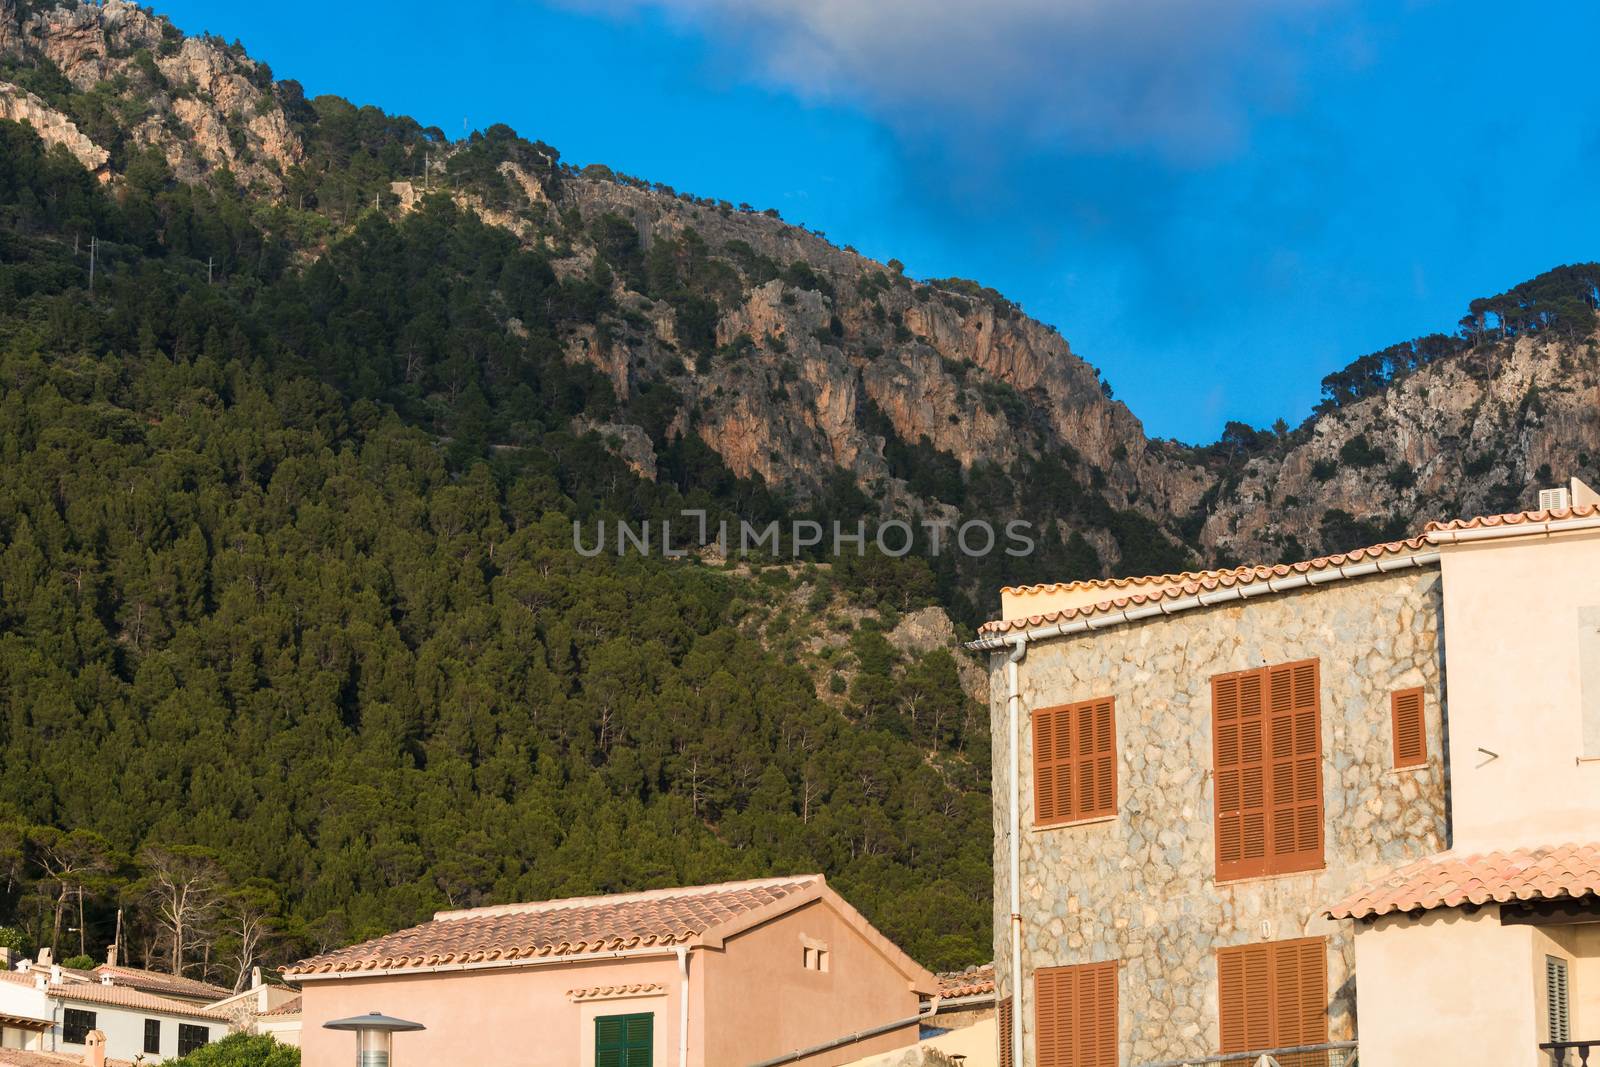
x=1553, y=499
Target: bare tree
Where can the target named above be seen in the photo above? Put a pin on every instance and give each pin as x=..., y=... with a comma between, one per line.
x=249, y=919
x=183, y=885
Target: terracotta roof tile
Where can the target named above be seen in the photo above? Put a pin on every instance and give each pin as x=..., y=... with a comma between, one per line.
x=1516, y=518
x=1151, y=590
x=972, y=982
x=509, y=932
x=171, y=985
x=125, y=997
x=612, y=992
x=1448, y=880
x=15, y=1057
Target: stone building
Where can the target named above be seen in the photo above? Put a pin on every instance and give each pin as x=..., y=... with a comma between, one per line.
x=1206, y=765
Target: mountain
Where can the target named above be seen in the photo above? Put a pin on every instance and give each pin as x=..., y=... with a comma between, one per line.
x=302, y=402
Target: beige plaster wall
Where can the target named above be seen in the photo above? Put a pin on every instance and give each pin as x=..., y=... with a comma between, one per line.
x=1512, y=616
x=1447, y=988
x=762, y=1002
x=505, y=1017
x=1140, y=888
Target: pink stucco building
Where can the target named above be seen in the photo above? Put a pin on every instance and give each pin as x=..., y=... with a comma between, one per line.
x=727, y=975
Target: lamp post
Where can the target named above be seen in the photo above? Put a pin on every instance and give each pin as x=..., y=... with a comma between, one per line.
x=374, y=1036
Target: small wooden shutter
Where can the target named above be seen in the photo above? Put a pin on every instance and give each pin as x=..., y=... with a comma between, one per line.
x=1410, y=732
x=1267, y=752
x=624, y=1040
x=1558, y=1009
x=1274, y=995
x=1074, y=762
x=1005, y=1013
x=1076, y=1016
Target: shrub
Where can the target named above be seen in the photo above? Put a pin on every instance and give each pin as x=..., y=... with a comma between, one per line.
x=1360, y=452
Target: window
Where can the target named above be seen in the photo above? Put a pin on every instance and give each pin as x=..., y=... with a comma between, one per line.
x=1074, y=762
x=623, y=1040
x=75, y=1025
x=814, y=957
x=1410, y=732
x=152, y=1036
x=1076, y=1016
x=1274, y=995
x=191, y=1038
x=1005, y=1059
x=1558, y=1011
x=1267, y=738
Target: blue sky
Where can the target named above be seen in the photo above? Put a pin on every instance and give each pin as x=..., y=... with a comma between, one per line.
x=1216, y=201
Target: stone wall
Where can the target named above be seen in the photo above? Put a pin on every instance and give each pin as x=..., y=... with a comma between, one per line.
x=1140, y=887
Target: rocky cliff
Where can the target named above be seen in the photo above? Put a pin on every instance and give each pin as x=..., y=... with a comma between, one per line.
x=1479, y=432
x=202, y=104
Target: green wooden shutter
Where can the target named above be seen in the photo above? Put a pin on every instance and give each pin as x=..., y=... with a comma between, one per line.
x=624, y=1040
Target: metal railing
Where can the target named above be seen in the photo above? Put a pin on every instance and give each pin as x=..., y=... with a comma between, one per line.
x=1571, y=1053
x=1327, y=1054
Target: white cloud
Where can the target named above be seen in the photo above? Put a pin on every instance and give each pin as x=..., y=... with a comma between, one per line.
x=1178, y=77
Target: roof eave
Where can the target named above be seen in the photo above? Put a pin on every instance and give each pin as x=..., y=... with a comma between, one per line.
x=1100, y=620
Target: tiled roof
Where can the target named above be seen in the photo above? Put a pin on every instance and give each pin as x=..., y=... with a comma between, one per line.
x=1517, y=518
x=1449, y=880
x=1157, y=588
x=18, y=977
x=511, y=932
x=125, y=997
x=972, y=982
x=15, y=1057
x=171, y=985
x=288, y=1007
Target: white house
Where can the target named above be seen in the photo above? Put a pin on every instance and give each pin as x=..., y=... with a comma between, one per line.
x=49, y=1010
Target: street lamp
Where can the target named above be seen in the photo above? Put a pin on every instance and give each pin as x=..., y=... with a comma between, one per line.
x=374, y=1036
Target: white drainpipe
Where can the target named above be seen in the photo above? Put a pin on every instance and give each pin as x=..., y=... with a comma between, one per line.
x=1014, y=712
x=683, y=1006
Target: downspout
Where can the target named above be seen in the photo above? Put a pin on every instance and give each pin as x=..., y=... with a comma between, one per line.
x=1014, y=713
x=683, y=1006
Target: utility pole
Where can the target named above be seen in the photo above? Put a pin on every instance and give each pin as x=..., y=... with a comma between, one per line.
x=208, y=270
x=94, y=244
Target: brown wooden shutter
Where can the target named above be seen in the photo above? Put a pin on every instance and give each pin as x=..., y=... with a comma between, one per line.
x=1295, y=739
x=1239, y=752
x=1005, y=1013
x=1074, y=762
x=1410, y=731
x=1267, y=789
x=1076, y=1015
x=1274, y=995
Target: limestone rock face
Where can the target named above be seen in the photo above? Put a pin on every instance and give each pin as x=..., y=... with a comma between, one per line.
x=1472, y=434
x=206, y=106
x=19, y=105
x=627, y=442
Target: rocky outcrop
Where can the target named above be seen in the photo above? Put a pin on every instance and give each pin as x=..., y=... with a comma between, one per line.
x=205, y=105
x=54, y=128
x=1475, y=433
x=627, y=442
